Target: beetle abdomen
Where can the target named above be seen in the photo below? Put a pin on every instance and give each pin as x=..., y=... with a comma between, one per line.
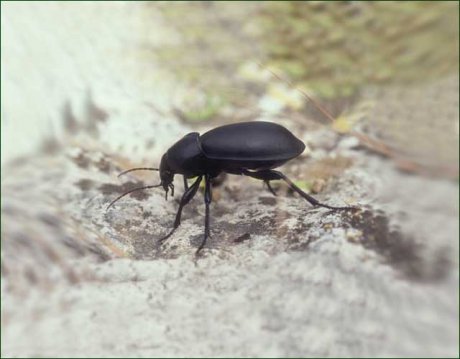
x=251, y=142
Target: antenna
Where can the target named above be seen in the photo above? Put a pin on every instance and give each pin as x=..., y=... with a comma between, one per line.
x=138, y=169
x=130, y=191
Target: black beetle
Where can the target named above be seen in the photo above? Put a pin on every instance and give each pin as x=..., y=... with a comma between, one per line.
x=247, y=148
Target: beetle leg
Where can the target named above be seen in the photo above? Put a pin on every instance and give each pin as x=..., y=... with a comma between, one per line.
x=186, y=198
x=185, y=183
x=250, y=174
x=270, y=175
x=207, y=201
x=270, y=188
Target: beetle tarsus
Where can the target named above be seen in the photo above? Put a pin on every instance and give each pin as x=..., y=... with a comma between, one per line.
x=161, y=240
x=309, y=198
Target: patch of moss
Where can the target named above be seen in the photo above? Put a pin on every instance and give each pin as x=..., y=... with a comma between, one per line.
x=334, y=48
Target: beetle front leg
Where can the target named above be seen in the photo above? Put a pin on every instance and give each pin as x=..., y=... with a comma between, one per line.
x=207, y=201
x=185, y=183
x=186, y=198
x=270, y=175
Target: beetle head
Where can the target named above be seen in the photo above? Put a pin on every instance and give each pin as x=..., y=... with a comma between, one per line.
x=166, y=175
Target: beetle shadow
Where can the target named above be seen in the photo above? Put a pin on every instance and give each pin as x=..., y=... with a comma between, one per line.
x=401, y=251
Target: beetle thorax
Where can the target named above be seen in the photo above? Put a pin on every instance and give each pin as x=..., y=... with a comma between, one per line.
x=186, y=156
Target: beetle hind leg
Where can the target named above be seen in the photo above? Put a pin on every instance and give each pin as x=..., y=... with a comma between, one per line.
x=270, y=175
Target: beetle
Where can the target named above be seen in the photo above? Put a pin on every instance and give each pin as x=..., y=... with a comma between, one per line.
x=251, y=149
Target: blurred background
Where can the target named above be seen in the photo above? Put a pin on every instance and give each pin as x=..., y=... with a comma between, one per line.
x=92, y=88
x=210, y=59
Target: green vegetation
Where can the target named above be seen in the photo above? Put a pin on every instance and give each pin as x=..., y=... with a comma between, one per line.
x=332, y=49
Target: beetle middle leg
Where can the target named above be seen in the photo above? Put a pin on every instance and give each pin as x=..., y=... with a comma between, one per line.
x=270, y=188
x=207, y=201
x=270, y=175
x=186, y=198
x=185, y=183
x=241, y=172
